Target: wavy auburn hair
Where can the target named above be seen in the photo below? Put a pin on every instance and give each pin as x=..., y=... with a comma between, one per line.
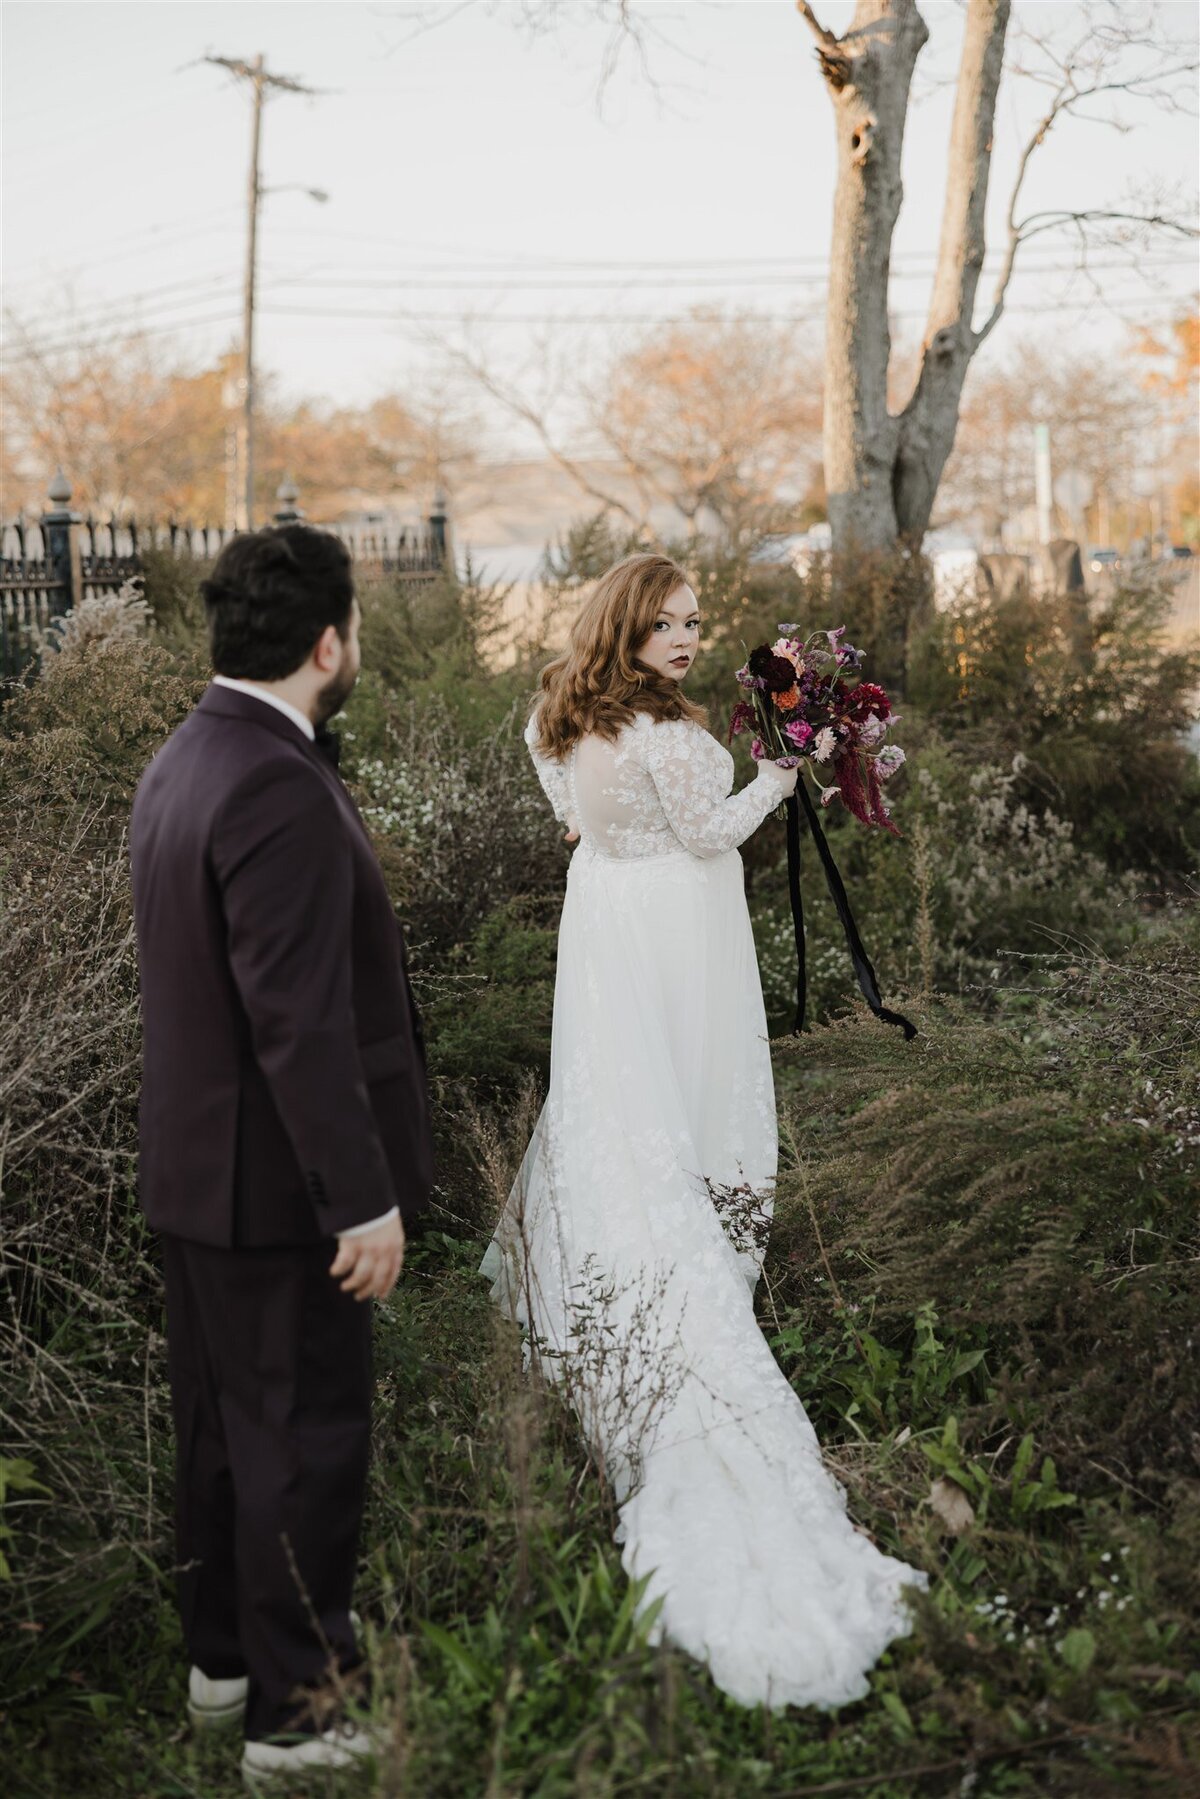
x=598, y=684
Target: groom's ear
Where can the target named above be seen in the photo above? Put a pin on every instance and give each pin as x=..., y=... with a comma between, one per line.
x=327, y=651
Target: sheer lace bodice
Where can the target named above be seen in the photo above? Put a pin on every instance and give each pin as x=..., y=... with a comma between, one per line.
x=659, y=788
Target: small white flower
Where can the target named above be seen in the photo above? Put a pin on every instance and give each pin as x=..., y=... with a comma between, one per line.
x=824, y=744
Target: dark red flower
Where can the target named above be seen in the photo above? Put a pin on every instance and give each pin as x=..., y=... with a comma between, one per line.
x=868, y=697
x=858, y=783
x=776, y=672
x=742, y=719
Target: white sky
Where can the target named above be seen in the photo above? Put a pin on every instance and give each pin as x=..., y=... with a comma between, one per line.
x=464, y=154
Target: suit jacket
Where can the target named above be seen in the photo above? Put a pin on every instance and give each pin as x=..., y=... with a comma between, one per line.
x=283, y=1091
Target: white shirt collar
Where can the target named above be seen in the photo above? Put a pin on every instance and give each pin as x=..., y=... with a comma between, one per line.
x=297, y=717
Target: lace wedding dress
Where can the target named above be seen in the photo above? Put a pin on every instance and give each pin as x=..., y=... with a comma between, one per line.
x=634, y=1234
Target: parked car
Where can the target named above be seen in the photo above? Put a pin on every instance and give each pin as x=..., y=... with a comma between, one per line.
x=1103, y=561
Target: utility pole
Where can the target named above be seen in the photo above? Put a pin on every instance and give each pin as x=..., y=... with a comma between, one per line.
x=260, y=80
x=1042, y=482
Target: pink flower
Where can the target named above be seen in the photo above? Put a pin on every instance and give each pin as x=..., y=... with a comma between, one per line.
x=758, y=750
x=799, y=732
x=829, y=794
x=888, y=761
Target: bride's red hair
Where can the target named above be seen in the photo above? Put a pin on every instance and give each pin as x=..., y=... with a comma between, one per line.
x=598, y=684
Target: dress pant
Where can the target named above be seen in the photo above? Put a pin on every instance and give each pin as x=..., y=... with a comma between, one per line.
x=271, y=1387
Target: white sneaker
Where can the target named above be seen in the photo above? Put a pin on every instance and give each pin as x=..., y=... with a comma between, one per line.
x=339, y=1747
x=213, y=1703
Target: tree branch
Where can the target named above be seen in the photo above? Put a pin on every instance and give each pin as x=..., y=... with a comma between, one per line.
x=1054, y=221
x=1068, y=96
x=522, y=409
x=823, y=36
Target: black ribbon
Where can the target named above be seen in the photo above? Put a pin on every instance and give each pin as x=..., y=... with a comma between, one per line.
x=858, y=955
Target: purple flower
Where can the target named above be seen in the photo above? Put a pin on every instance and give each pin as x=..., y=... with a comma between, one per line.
x=758, y=750
x=800, y=733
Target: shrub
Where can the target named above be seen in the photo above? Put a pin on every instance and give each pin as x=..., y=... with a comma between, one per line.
x=1097, y=703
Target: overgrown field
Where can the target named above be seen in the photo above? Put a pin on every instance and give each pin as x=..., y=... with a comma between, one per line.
x=982, y=1280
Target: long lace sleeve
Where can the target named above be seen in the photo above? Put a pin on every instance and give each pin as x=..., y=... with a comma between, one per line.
x=551, y=774
x=693, y=775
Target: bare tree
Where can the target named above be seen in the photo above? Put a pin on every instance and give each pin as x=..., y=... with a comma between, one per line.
x=717, y=416
x=714, y=417
x=882, y=468
x=139, y=429
x=1099, y=427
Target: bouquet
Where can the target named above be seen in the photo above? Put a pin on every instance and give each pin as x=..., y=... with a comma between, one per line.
x=804, y=712
x=802, y=709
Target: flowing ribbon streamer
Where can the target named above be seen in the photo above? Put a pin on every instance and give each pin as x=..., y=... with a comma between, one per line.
x=858, y=955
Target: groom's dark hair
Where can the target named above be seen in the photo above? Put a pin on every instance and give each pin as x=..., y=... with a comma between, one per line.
x=270, y=596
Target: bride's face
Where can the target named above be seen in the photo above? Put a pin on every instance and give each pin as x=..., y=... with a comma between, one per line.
x=674, y=639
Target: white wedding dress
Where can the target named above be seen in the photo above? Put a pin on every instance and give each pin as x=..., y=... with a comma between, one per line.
x=634, y=1233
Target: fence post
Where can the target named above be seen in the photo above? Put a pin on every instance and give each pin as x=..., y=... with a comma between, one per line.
x=60, y=541
x=439, y=529
x=288, y=513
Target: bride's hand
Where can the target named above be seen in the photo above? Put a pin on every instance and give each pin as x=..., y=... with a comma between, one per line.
x=786, y=778
x=572, y=835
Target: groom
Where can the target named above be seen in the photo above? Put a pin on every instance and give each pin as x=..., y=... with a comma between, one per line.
x=284, y=1139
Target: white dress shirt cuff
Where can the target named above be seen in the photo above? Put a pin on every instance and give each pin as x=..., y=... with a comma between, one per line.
x=360, y=1230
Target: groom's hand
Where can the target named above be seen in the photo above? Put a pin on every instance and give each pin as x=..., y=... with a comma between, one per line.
x=369, y=1266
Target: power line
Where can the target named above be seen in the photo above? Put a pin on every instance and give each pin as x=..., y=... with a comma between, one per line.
x=565, y=319
x=100, y=343
x=661, y=318
x=455, y=284
x=209, y=286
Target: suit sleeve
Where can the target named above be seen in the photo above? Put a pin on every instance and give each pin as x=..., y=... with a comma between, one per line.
x=286, y=878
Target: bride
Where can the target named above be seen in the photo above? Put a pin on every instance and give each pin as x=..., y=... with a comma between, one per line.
x=634, y=1234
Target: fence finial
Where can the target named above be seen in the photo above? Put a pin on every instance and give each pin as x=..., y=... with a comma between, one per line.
x=59, y=490
x=288, y=513
x=439, y=527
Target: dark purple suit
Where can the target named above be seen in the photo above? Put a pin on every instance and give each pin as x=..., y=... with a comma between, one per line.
x=283, y=1094
x=283, y=1100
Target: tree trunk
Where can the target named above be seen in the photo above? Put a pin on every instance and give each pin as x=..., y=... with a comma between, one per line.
x=868, y=73
x=930, y=420
x=882, y=470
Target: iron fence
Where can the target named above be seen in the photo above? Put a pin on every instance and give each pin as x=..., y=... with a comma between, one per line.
x=51, y=564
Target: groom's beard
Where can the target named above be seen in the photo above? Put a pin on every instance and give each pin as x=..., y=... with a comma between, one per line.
x=333, y=696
